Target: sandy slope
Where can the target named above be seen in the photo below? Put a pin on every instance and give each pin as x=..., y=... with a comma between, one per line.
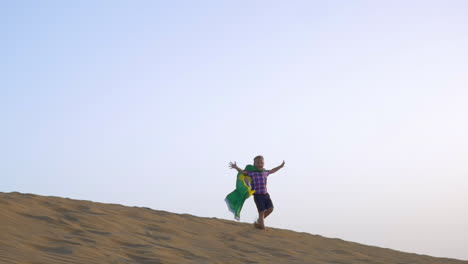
x=36, y=229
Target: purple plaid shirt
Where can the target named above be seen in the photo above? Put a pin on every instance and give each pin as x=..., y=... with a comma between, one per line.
x=259, y=181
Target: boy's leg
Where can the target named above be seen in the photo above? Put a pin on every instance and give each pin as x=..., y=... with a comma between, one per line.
x=260, y=221
x=260, y=224
x=261, y=206
x=267, y=212
x=268, y=206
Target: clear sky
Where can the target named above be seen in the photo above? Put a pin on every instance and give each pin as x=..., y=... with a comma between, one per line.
x=144, y=103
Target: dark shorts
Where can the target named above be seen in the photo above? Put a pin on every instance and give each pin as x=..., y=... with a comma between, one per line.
x=263, y=202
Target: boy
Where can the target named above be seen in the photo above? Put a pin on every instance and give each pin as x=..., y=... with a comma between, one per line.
x=259, y=184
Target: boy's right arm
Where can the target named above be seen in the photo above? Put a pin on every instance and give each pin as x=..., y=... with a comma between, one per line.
x=234, y=166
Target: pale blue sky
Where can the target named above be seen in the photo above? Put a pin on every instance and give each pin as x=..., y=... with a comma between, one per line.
x=145, y=102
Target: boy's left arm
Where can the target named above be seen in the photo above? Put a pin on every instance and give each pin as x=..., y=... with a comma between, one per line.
x=277, y=168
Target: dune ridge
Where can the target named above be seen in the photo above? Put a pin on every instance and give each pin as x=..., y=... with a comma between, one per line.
x=47, y=230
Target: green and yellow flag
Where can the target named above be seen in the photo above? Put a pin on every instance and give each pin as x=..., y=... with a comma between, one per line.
x=235, y=200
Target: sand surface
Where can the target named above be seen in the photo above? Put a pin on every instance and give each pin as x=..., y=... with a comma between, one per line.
x=46, y=230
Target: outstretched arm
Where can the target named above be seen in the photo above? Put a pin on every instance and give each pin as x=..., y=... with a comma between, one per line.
x=277, y=168
x=234, y=166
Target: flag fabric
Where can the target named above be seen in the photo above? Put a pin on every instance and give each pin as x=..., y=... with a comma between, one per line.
x=235, y=200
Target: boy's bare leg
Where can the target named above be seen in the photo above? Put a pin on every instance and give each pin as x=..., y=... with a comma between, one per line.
x=260, y=222
x=268, y=212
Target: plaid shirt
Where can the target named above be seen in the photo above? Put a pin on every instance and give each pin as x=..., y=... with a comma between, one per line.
x=259, y=181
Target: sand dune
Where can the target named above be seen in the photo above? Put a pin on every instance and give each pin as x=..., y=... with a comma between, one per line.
x=37, y=229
